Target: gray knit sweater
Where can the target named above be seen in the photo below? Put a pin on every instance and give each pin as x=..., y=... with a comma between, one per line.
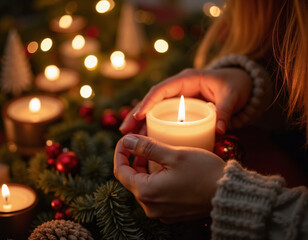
x=248, y=205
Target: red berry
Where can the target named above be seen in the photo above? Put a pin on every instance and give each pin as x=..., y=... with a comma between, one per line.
x=53, y=149
x=68, y=212
x=59, y=215
x=57, y=204
x=67, y=162
x=51, y=162
x=110, y=119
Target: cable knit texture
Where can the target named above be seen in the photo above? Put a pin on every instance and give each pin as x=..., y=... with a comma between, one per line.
x=248, y=205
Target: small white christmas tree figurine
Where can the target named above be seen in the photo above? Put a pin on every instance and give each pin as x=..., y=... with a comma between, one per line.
x=129, y=36
x=16, y=74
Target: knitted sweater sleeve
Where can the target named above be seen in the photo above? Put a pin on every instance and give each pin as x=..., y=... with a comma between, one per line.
x=248, y=205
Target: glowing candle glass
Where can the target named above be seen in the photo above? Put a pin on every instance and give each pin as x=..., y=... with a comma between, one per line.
x=193, y=127
x=17, y=209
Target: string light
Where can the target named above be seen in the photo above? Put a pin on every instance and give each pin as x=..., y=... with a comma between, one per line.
x=86, y=91
x=215, y=11
x=90, y=62
x=104, y=6
x=161, y=46
x=32, y=47
x=52, y=72
x=117, y=59
x=46, y=44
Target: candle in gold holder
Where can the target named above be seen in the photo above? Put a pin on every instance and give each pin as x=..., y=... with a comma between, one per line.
x=27, y=118
x=17, y=210
x=55, y=80
x=119, y=67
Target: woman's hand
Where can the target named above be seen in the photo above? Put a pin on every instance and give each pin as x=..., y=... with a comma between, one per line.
x=228, y=88
x=181, y=191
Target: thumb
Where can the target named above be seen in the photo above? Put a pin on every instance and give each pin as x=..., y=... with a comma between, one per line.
x=148, y=148
x=224, y=110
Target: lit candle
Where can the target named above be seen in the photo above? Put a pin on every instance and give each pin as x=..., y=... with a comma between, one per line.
x=17, y=210
x=67, y=24
x=73, y=51
x=190, y=124
x=27, y=118
x=56, y=80
x=118, y=67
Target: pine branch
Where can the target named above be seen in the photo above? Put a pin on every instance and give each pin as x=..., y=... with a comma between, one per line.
x=37, y=165
x=82, y=145
x=152, y=229
x=65, y=187
x=63, y=132
x=113, y=213
x=83, y=209
x=19, y=172
x=103, y=140
x=8, y=157
x=96, y=168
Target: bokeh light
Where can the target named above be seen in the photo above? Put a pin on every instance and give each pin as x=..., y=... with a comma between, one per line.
x=46, y=44
x=117, y=59
x=90, y=62
x=32, y=47
x=161, y=46
x=86, y=91
x=104, y=6
x=215, y=11
x=52, y=72
x=65, y=21
x=78, y=42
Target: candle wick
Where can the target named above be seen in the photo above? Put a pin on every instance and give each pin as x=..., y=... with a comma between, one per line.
x=181, y=120
x=6, y=199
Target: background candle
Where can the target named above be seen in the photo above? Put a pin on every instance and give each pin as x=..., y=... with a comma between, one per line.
x=26, y=128
x=55, y=80
x=198, y=129
x=119, y=68
x=16, y=219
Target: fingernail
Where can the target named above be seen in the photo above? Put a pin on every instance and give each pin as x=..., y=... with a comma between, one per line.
x=221, y=127
x=135, y=113
x=130, y=142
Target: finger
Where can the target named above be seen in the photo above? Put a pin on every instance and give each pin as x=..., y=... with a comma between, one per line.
x=224, y=109
x=122, y=170
x=129, y=124
x=140, y=165
x=147, y=148
x=185, y=83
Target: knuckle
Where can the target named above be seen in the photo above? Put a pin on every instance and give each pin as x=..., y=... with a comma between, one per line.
x=147, y=148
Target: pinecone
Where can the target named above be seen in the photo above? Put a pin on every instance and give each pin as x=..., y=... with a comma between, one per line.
x=60, y=229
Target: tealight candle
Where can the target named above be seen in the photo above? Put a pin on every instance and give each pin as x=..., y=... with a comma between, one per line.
x=55, y=80
x=27, y=118
x=73, y=51
x=193, y=126
x=17, y=209
x=67, y=24
x=118, y=67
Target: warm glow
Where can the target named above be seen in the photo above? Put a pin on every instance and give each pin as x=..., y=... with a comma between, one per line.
x=35, y=105
x=117, y=59
x=46, y=44
x=52, y=72
x=90, y=62
x=161, y=46
x=49, y=142
x=32, y=47
x=181, y=113
x=86, y=91
x=214, y=11
x=5, y=193
x=78, y=42
x=65, y=21
x=104, y=6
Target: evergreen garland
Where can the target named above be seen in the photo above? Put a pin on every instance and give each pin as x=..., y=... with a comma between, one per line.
x=65, y=187
x=82, y=145
x=37, y=165
x=83, y=209
x=114, y=215
x=96, y=168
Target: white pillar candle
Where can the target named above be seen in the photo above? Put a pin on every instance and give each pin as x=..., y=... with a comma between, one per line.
x=197, y=130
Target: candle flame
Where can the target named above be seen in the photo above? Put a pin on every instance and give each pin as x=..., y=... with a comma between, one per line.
x=117, y=59
x=181, y=113
x=65, y=21
x=35, y=105
x=52, y=72
x=5, y=193
x=78, y=42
